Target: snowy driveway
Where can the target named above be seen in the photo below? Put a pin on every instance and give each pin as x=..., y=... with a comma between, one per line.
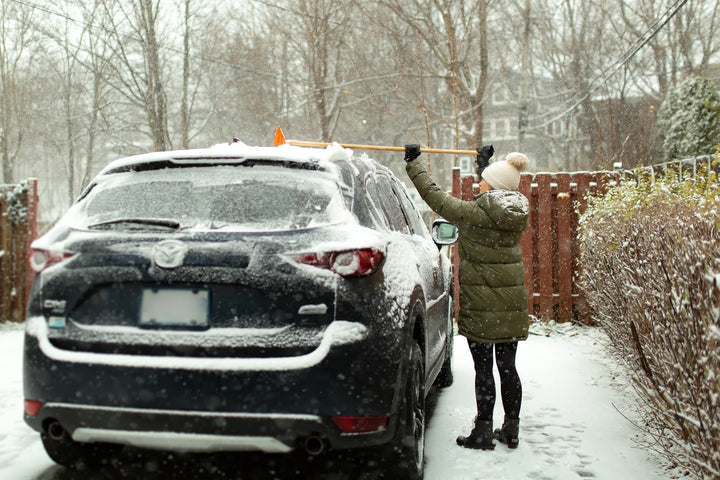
x=571, y=426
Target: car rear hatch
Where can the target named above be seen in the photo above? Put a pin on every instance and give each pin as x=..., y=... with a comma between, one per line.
x=228, y=298
x=193, y=260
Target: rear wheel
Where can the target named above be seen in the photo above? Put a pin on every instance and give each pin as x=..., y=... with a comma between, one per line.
x=409, y=442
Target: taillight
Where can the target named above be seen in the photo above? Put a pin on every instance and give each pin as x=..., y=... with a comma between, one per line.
x=360, y=424
x=32, y=407
x=348, y=263
x=42, y=259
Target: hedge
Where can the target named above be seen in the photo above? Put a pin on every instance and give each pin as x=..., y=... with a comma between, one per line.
x=650, y=252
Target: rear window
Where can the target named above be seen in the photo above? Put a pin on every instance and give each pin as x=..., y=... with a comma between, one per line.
x=214, y=197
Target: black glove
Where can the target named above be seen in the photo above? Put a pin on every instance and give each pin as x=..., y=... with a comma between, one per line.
x=412, y=151
x=483, y=157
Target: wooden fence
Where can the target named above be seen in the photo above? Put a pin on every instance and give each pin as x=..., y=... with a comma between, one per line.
x=550, y=251
x=18, y=228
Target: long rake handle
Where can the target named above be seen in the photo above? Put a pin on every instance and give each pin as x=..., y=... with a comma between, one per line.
x=303, y=143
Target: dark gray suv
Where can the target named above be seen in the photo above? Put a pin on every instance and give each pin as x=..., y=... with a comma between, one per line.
x=238, y=298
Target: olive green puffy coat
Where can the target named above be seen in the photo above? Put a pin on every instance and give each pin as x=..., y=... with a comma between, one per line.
x=493, y=298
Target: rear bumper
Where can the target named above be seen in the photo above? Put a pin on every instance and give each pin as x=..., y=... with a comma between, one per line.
x=217, y=404
x=199, y=431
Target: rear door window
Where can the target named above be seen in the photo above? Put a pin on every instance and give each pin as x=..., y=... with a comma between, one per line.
x=374, y=204
x=391, y=205
x=411, y=213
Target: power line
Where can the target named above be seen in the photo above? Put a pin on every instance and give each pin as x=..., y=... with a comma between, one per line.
x=641, y=42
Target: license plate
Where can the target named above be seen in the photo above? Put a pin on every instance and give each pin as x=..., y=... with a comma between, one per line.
x=174, y=308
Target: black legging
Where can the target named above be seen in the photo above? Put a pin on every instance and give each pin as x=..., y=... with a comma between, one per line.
x=510, y=386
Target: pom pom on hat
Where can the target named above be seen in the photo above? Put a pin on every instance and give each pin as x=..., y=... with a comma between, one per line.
x=505, y=175
x=517, y=160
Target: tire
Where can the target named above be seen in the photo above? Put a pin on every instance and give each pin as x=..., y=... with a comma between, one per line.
x=79, y=456
x=409, y=442
x=445, y=377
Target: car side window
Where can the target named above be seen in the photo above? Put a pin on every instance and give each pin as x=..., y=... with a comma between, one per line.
x=374, y=204
x=391, y=205
x=411, y=212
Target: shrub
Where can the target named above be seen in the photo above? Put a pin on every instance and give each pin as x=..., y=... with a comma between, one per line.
x=689, y=120
x=651, y=274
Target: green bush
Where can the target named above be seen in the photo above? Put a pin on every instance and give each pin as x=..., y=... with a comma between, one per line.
x=689, y=119
x=650, y=252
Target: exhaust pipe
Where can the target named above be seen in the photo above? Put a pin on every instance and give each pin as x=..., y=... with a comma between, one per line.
x=314, y=445
x=56, y=431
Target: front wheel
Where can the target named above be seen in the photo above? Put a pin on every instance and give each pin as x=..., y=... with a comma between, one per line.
x=445, y=377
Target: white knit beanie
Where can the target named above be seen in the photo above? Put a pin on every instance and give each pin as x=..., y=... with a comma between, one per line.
x=505, y=175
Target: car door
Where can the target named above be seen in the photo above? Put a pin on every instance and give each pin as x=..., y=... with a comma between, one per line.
x=434, y=268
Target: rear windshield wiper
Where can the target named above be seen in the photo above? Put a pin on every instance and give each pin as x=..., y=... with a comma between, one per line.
x=137, y=223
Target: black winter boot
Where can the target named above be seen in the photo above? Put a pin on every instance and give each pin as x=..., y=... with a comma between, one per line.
x=508, y=434
x=481, y=437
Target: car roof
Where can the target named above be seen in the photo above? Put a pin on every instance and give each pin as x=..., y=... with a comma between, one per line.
x=235, y=152
x=340, y=162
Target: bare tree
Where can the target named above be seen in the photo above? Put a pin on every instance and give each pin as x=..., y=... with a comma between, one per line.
x=680, y=37
x=576, y=49
x=246, y=91
x=15, y=55
x=141, y=82
x=97, y=64
x=64, y=60
x=316, y=40
x=185, y=108
x=454, y=48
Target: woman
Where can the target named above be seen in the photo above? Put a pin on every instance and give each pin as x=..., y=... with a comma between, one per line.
x=493, y=299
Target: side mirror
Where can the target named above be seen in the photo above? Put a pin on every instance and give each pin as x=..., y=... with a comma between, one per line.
x=444, y=233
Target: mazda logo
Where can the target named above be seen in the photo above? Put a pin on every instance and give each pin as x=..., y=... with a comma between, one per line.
x=169, y=254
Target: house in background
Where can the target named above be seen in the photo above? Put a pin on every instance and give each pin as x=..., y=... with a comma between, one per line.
x=552, y=136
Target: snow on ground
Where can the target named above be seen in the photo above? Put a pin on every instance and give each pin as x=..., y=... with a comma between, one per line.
x=576, y=419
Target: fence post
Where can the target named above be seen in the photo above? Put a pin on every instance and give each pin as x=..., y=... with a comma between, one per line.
x=6, y=259
x=582, y=181
x=544, y=246
x=31, y=235
x=17, y=231
x=565, y=241
x=526, y=242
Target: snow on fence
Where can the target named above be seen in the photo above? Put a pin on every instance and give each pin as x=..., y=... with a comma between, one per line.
x=550, y=251
x=18, y=228
x=702, y=166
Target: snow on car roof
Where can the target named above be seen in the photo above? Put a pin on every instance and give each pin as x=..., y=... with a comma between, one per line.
x=238, y=151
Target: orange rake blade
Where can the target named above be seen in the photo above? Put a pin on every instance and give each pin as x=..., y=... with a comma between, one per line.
x=279, y=137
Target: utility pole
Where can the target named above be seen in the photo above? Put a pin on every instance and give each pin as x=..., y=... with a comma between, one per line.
x=524, y=79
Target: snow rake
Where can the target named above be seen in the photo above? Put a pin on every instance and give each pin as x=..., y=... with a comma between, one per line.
x=280, y=140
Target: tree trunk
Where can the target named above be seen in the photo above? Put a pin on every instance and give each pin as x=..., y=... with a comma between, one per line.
x=155, y=91
x=184, y=108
